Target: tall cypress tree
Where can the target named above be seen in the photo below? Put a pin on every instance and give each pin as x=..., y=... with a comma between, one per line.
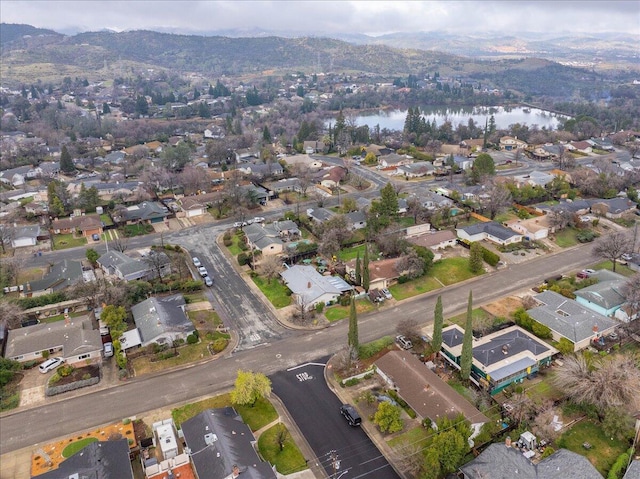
x=358, y=270
x=66, y=163
x=352, y=339
x=438, y=321
x=365, y=269
x=466, y=357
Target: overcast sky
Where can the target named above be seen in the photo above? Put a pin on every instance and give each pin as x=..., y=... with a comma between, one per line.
x=327, y=17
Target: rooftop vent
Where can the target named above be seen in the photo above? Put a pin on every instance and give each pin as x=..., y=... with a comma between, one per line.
x=210, y=438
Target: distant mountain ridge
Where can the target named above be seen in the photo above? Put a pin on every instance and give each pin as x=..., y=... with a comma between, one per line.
x=10, y=32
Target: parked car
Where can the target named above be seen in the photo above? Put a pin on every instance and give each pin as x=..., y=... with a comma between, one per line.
x=387, y=293
x=208, y=281
x=108, y=350
x=258, y=219
x=50, y=365
x=196, y=262
x=403, y=342
x=350, y=414
x=627, y=257
x=95, y=236
x=203, y=271
x=585, y=273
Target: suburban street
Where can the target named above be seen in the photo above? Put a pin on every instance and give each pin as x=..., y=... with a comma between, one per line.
x=30, y=427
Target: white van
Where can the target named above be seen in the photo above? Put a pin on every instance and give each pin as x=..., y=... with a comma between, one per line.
x=50, y=365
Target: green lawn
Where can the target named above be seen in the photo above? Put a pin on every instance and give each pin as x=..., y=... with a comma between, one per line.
x=414, y=288
x=336, y=313
x=620, y=268
x=347, y=254
x=276, y=292
x=195, y=297
x=451, y=270
x=68, y=241
x=261, y=414
x=60, y=317
x=406, y=221
x=106, y=219
x=477, y=315
x=417, y=435
x=461, y=389
x=289, y=459
x=604, y=450
x=234, y=249
x=566, y=238
x=75, y=446
x=136, y=230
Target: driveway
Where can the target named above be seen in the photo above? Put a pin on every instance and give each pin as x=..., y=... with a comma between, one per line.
x=342, y=450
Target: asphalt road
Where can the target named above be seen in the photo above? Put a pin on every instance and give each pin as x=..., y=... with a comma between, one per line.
x=316, y=411
x=23, y=428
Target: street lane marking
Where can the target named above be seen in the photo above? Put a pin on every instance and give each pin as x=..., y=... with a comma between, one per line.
x=306, y=364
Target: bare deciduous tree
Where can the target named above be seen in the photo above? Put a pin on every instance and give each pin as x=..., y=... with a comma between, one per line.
x=631, y=291
x=613, y=246
x=607, y=383
x=6, y=236
x=120, y=244
x=410, y=265
x=156, y=260
x=270, y=266
x=409, y=327
x=409, y=457
x=11, y=313
x=498, y=197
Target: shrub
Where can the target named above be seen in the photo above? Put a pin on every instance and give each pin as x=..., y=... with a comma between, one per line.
x=403, y=279
x=565, y=346
x=371, y=349
x=548, y=451
x=65, y=370
x=38, y=301
x=86, y=376
x=586, y=236
x=219, y=345
x=618, y=468
x=352, y=382
x=192, y=339
x=243, y=259
x=490, y=257
x=319, y=307
x=45, y=354
x=227, y=242
x=126, y=421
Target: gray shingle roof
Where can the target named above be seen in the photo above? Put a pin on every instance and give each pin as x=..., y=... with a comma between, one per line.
x=157, y=316
x=117, y=261
x=307, y=283
x=501, y=462
x=147, y=210
x=607, y=292
x=218, y=440
x=76, y=337
x=492, y=228
x=61, y=275
x=567, y=317
x=99, y=460
x=320, y=214
x=633, y=472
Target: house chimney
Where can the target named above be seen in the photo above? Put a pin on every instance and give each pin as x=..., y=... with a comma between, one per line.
x=309, y=285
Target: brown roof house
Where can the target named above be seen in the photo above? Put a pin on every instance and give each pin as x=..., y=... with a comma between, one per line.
x=381, y=273
x=424, y=391
x=84, y=225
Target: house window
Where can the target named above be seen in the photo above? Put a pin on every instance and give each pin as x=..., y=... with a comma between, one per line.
x=84, y=356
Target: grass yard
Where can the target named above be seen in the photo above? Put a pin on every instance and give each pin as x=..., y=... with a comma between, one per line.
x=68, y=241
x=620, y=268
x=136, y=230
x=195, y=297
x=336, y=313
x=75, y=446
x=414, y=288
x=566, y=238
x=461, y=389
x=261, y=414
x=60, y=317
x=206, y=317
x=289, y=459
x=106, y=219
x=478, y=315
x=604, y=450
x=505, y=216
x=418, y=435
x=235, y=249
x=276, y=292
x=544, y=389
x=451, y=270
x=347, y=254
x=406, y=221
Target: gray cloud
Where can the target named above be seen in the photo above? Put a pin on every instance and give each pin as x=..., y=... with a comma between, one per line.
x=327, y=17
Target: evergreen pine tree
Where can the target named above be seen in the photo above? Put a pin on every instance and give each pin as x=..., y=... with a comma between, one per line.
x=466, y=357
x=358, y=270
x=353, y=326
x=66, y=163
x=438, y=321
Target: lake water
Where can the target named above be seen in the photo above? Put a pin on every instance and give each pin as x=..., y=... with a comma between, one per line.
x=394, y=119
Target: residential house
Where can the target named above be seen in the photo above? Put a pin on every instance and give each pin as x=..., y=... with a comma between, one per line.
x=320, y=215
x=472, y=144
x=501, y=461
x=306, y=160
x=262, y=170
x=310, y=288
x=377, y=150
x=601, y=144
x=75, y=340
x=115, y=157
x=580, y=146
x=535, y=178
x=356, y=220
x=100, y=460
x=127, y=268
x=415, y=170
x=244, y=155
x=15, y=176
x=509, y=143
x=162, y=319
x=614, y=208
x=84, y=225
x=569, y=319
x=490, y=231
x=222, y=446
x=24, y=235
x=270, y=238
x=577, y=207
x=423, y=390
x=394, y=160
x=333, y=176
x=499, y=359
x=435, y=240
x=312, y=147
x=46, y=169
x=540, y=153
x=259, y=194
x=463, y=162
x=431, y=201
x=533, y=229
x=633, y=471
x=382, y=273
x=215, y=132
x=606, y=296
x=61, y=275
x=284, y=185
x=146, y=212
x=194, y=205
x=402, y=206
